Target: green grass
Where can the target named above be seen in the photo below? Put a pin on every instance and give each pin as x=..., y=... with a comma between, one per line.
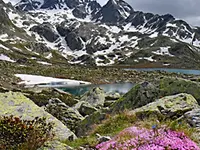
x=114, y=125
x=90, y=140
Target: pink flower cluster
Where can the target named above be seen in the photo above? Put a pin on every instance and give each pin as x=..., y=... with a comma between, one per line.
x=135, y=138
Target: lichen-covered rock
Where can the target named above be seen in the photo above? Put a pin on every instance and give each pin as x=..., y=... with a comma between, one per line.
x=85, y=108
x=193, y=117
x=114, y=96
x=16, y=104
x=67, y=115
x=95, y=97
x=55, y=145
x=169, y=106
x=170, y=86
x=108, y=103
x=42, y=97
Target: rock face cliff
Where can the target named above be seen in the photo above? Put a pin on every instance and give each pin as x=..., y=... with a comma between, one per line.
x=84, y=32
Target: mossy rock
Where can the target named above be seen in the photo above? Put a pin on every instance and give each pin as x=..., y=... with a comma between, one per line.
x=86, y=124
x=168, y=107
x=144, y=93
x=139, y=95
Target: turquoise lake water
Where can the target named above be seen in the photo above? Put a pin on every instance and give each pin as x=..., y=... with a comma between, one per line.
x=183, y=71
x=108, y=88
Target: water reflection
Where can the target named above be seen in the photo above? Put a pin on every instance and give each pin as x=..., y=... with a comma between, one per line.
x=108, y=88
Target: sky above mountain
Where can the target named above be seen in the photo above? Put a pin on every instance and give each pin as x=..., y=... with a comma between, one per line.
x=187, y=10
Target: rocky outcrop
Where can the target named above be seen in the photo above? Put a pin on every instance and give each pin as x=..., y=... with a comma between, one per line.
x=168, y=107
x=85, y=108
x=139, y=95
x=16, y=104
x=146, y=92
x=45, y=30
x=63, y=29
x=67, y=115
x=86, y=124
x=86, y=59
x=95, y=97
x=55, y=145
x=74, y=41
x=28, y=5
x=41, y=97
x=79, y=12
x=114, y=11
x=193, y=117
x=170, y=86
x=84, y=7
x=5, y=22
x=112, y=96
x=38, y=47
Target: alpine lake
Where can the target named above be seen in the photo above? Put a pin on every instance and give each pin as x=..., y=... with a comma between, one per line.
x=118, y=87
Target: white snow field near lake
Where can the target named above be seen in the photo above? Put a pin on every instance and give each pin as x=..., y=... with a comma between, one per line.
x=31, y=80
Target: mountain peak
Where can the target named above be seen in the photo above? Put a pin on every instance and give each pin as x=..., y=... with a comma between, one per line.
x=27, y=5
x=114, y=11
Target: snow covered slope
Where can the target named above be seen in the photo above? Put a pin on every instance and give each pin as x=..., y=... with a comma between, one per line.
x=83, y=32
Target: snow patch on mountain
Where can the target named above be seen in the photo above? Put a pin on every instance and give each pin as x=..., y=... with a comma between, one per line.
x=103, y=39
x=44, y=63
x=147, y=58
x=6, y=58
x=163, y=51
x=4, y=47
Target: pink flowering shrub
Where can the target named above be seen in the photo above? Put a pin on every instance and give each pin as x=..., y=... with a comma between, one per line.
x=135, y=138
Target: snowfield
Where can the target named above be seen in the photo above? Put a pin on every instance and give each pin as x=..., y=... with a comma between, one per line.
x=32, y=80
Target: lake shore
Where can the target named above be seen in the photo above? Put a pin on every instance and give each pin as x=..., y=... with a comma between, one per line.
x=94, y=75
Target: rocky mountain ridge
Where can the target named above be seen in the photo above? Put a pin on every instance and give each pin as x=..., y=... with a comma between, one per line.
x=84, y=32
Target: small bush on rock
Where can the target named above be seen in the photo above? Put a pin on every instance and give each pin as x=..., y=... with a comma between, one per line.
x=135, y=138
x=18, y=134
